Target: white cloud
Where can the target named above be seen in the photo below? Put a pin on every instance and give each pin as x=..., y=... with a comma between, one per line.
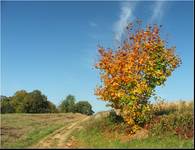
x=158, y=11
x=92, y=24
x=126, y=15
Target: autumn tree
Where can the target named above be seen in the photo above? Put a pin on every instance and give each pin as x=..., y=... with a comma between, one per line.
x=130, y=73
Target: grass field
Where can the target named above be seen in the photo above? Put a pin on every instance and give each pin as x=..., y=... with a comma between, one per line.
x=24, y=130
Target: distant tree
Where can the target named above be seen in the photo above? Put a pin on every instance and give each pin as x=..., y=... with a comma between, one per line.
x=84, y=107
x=5, y=105
x=67, y=105
x=23, y=102
x=35, y=102
x=18, y=101
x=51, y=107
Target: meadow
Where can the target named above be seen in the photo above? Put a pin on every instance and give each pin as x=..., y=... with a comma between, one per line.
x=24, y=130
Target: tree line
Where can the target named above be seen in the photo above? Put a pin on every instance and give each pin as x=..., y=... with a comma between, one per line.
x=36, y=102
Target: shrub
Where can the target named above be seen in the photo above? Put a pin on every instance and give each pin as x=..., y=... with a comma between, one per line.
x=177, y=123
x=113, y=117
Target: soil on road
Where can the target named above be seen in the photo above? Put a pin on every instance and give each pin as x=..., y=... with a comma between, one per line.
x=58, y=138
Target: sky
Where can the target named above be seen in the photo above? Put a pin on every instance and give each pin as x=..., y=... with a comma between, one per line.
x=52, y=46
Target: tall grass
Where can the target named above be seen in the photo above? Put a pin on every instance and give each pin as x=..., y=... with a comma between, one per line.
x=164, y=108
x=173, y=117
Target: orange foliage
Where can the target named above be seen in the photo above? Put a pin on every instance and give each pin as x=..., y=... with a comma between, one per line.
x=131, y=73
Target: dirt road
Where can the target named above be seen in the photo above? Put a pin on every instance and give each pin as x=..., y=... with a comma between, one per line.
x=58, y=138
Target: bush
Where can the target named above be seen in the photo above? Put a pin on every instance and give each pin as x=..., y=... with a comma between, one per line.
x=177, y=123
x=113, y=117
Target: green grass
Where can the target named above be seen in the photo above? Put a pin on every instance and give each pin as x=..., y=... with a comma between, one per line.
x=95, y=139
x=24, y=130
x=104, y=133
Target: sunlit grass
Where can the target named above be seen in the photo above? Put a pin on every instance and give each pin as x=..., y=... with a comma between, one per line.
x=23, y=130
x=104, y=133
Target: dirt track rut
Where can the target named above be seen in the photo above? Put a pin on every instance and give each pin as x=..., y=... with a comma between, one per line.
x=58, y=138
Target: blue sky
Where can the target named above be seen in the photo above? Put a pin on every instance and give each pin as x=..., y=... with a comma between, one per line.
x=52, y=46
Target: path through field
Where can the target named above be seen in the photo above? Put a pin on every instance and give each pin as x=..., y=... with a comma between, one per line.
x=58, y=138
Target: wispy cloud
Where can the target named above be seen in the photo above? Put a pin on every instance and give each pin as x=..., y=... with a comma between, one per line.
x=127, y=11
x=126, y=14
x=92, y=24
x=158, y=11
